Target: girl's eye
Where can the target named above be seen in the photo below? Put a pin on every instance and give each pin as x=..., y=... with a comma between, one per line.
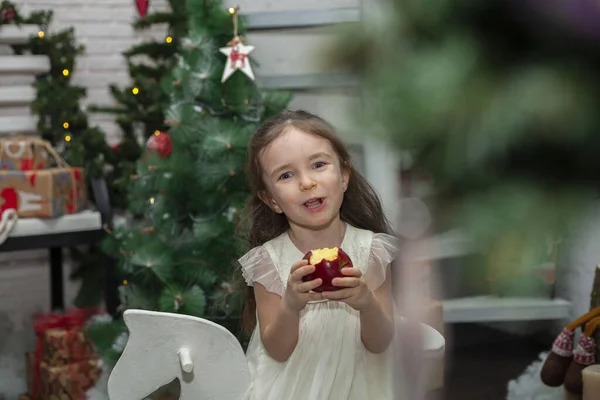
x=285, y=175
x=319, y=164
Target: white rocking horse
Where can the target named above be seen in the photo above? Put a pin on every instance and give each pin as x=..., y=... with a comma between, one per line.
x=206, y=358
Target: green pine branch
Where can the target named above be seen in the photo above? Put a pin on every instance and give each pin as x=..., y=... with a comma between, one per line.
x=169, y=18
x=157, y=51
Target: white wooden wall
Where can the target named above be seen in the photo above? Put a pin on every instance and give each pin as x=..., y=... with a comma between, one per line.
x=289, y=56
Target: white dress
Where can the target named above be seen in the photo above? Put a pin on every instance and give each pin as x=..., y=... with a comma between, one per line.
x=330, y=361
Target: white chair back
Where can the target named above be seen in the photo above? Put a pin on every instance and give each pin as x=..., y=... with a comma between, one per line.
x=206, y=358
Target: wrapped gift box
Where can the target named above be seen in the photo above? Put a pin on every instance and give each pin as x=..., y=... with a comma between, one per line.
x=24, y=154
x=45, y=193
x=71, y=380
x=62, y=347
x=63, y=365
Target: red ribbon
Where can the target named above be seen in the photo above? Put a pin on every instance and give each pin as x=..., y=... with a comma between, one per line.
x=72, y=322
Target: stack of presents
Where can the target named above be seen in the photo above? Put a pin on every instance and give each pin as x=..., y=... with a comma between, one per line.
x=36, y=182
x=64, y=365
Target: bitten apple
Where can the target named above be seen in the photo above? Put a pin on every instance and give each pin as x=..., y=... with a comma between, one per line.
x=328, y=264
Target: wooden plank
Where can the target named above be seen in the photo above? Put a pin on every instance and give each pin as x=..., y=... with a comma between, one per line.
x=335, y=105
x=448, y=244
x=18, y=125
x=300, y=19
x=16, y=95
x=12, y=34
x=289, y=52
x=24, y=64
x=253, y=6
x=307, y=81
x=495, y=309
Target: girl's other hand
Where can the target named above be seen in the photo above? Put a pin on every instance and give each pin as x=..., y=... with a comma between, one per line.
x=356, y=293
x=297, y=292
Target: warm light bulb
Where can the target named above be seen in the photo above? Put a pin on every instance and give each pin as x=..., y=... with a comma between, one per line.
x=135, y=90
x=65, y=72
x=41, y=34
x=68, y=138
x=157, y=132
x=168, y=39
x=231, y=10
x=125, y=282
x=66, y=125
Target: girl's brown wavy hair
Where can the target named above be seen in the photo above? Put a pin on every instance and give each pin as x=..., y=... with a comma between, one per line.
x=361, y=206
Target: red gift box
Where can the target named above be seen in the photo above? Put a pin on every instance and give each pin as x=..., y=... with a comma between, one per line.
x=61, y=348
x=43, y=193
x=72, y=380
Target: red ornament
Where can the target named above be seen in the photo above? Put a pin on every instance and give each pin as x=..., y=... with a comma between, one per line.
x=161, y=144
x=142, y=7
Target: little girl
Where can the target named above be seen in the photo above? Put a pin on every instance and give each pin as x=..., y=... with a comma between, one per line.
x=306, y=195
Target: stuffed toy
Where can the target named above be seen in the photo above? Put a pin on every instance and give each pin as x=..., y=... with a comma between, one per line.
x=564, y=363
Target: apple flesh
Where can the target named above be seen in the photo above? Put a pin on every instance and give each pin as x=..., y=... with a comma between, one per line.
x=328, y=264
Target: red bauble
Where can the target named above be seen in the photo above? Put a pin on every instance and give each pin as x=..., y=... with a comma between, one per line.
x=160, y=144
x=142, y=7
x=328, y=265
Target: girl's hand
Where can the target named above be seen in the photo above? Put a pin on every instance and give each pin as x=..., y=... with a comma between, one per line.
x=297, y=292
x=355, y=293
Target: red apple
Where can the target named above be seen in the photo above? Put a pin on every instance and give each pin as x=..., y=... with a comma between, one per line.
x=328, y=265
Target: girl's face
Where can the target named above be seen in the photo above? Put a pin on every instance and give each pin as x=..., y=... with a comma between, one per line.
x=303, y=179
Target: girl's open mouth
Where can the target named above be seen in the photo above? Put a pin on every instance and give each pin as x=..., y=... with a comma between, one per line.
x=314, y=204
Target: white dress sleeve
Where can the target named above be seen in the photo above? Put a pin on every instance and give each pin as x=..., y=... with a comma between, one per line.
x=384, y=249
x=257, y=266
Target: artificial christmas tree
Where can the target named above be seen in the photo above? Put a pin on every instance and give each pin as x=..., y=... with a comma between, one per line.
x=177, y=252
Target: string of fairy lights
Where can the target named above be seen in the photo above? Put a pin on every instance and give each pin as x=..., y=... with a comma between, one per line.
x=41, y=34
x=135, y=90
